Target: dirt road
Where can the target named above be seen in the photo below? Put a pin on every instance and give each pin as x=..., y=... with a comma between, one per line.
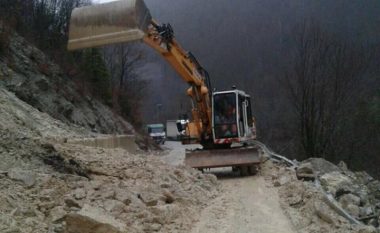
x=246, y=205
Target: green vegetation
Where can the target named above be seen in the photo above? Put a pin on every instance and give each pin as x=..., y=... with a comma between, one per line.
x=97, y=74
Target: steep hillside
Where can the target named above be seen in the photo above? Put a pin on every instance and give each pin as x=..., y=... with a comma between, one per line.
x=35, y=79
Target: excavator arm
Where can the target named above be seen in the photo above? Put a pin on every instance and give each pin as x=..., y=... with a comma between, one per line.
x=129, y=20
x=161, y=38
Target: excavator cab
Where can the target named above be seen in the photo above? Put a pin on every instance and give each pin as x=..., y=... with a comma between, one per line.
x=232, y=117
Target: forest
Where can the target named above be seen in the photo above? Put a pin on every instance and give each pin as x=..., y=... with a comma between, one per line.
x=311, y=67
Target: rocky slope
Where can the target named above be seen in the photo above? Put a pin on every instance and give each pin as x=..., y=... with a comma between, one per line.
x=33, y=77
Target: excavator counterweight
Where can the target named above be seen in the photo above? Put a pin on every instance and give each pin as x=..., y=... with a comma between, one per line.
x=110, y=23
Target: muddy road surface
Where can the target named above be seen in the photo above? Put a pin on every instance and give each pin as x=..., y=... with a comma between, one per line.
x=245, y=205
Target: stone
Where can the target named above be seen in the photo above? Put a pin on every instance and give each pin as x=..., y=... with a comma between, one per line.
x=152, y=227
x=168, y=197
x=336, y=182
x=114, y=206
x=92, y=220
x=353, y=210
x=165, y=185
x=71, y=202
x=57, y=214
x=305, y=171
x=366, y=211
x=342, y=165
x=276, y=183
x=123, y=196
x=347, y=199
x=321, y=166
x=28, y=178
x=95, y=184
x=367, y=229
x=149, y=199
x=79, y=193
x=373, y=222
x=363, y=194
x=323, y=212
x=284, y=179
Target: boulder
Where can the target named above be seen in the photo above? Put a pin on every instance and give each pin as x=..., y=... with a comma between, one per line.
x=284, y=179
x=71, y=202
x=342, y=165
x=124, y=196
x=149, y=199
x=57, y=214
x=336, y=183
x=353, y=210
x=348, y=199
x=92, y=220
x=114, y=206
x=366, y=211
x=79, y=193
x=305, y=171
x=323, y=212
x=321, y=166
x=367, y=229
x=28, y=178
x=168, y=197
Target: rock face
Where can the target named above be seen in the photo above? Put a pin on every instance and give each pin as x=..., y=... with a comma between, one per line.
x=92, y=220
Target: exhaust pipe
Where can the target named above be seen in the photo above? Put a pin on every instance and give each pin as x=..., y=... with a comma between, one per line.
x=110, y=23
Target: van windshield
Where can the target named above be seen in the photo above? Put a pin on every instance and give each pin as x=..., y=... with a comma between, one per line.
x=156, y=130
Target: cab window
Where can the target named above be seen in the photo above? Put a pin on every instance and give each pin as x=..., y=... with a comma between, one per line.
x=225, y=115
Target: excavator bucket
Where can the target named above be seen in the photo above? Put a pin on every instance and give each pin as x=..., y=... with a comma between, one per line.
x=109, y=23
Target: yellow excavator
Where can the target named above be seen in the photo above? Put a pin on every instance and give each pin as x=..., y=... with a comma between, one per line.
x=222, y=121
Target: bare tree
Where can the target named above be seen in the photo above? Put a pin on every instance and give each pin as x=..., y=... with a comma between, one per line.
x=321, y=81
x=128, y=87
